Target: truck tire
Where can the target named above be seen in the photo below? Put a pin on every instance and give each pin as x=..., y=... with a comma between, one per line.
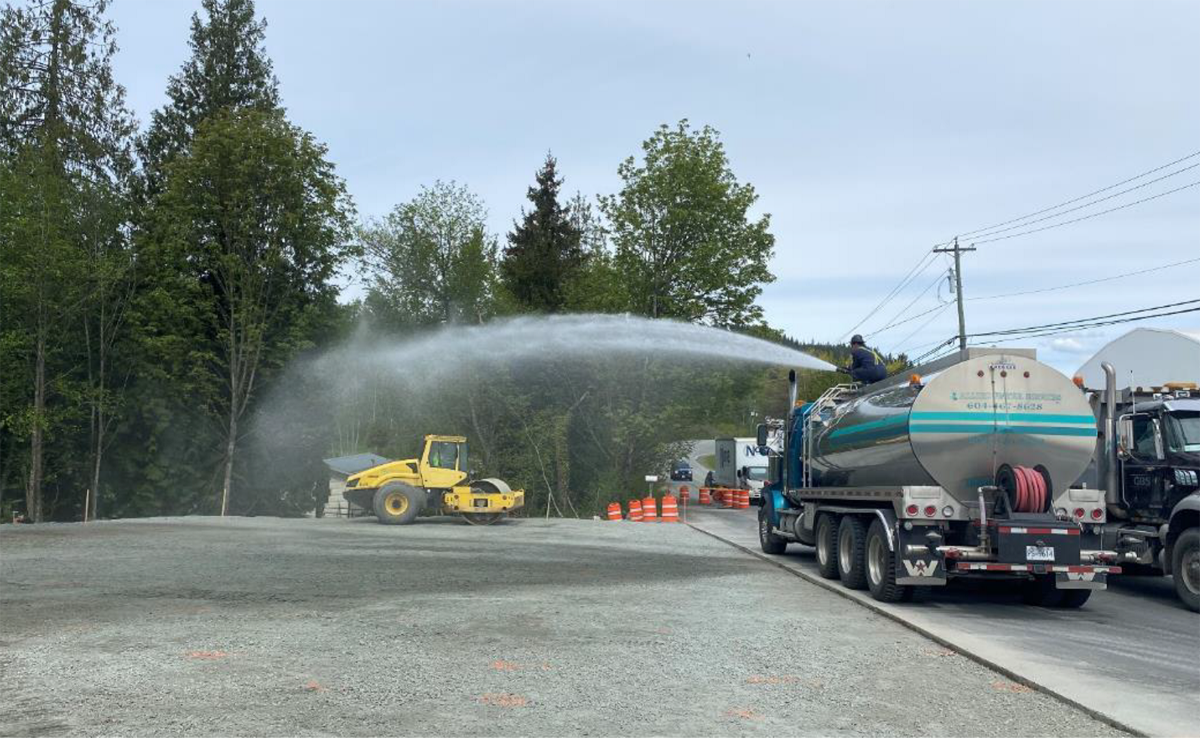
x=1185, y=567
x=768, y=541
x=881, y=567
x=826, y=545
x=851, y=552
x=397, y=503
x=1073, y=599
x=1041, y=591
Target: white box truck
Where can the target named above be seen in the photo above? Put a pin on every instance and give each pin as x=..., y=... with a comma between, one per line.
x=740, y=465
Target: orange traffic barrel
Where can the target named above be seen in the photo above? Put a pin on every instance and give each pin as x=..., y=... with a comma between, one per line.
x=729, y=498
x=684, y=493
x=635, y=510
x=743, y=499
x=649, y=510
x=670, y=509
x=705, y=497
x=614, y=511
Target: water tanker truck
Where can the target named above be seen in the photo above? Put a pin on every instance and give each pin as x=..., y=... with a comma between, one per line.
x=964, y=469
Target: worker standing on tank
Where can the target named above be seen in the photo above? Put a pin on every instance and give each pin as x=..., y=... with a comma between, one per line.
x=865, y=365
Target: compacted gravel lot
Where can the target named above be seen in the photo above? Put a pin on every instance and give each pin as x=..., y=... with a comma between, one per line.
x=256, y=626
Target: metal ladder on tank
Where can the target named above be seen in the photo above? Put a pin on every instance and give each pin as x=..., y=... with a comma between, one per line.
x=831, y=398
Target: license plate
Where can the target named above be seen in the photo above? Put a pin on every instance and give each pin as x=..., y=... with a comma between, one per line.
x=1039, y=553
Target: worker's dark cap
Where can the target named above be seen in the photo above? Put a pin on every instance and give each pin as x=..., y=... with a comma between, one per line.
x=857, y=339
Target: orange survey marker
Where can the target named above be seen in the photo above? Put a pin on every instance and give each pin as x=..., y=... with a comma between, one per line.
x=649, y=510
x=614, y=511
x=705, y=498
x=670, y=509
x=635, y=511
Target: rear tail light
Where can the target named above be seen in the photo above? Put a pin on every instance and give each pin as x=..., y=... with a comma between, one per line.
x=1079, y=512
x=947, y=511
x=930, y=511
x=1097, y=514
x=912, y=509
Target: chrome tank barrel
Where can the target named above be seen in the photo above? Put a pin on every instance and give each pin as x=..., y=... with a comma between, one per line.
x=959, y=428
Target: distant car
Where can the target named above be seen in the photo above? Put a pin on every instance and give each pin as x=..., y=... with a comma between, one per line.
x=681, y=472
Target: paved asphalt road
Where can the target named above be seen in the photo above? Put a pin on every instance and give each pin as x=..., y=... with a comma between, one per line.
x=1132, y=652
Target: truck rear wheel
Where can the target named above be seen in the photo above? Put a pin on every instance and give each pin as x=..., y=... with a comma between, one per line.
x=1074, y=598
x=881, y=567
x=1185, y=567
x=767, y=540
x=851, y=558
x=397, y=503
x=1043, y=592
x=827, y=525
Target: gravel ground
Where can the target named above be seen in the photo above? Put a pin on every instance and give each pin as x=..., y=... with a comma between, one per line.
x=542, y=628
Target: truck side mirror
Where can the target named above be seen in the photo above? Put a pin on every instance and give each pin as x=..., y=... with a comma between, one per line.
x=762, y=435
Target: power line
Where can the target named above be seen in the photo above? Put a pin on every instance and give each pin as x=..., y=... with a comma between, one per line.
x=1081, y=197
x=923, y=264
x=990, y=232
x=941, y=309
x=911, y=318
x=1090, y=281
x=1044, y=326
x=1070, y=329
x=1092, y=215
x=936, y=280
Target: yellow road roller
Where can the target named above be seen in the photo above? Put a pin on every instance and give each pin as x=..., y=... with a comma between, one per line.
x=399, y=491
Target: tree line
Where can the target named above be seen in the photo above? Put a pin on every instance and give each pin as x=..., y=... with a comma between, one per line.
x=163, y=287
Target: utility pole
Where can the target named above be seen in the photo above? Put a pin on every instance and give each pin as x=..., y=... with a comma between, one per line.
x=962, y=321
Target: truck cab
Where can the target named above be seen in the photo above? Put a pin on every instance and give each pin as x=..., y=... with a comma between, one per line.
x=1159, y=449
x=1148, y=462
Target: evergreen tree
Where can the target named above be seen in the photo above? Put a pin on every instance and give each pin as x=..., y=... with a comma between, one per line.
x=544, y=250
x=65, y=136
x=228, y=70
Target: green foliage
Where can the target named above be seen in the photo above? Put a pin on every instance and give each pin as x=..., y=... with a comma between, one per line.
x=543, y=253
x=245, y=239
x=228, y=70
x=171, y=333
x=686, y=245
x=431, y=260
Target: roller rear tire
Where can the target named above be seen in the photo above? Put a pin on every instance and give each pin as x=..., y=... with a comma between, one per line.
x=397, y=503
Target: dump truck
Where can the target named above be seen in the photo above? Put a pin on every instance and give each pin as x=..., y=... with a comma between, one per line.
x=399, y=491
x=960, y=470
x=1147, y=461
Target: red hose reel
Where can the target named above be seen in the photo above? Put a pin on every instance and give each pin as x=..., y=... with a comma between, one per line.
x=1028, y=489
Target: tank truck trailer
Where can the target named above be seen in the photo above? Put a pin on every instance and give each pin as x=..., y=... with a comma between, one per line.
x=963, y=469
x=1147, y=461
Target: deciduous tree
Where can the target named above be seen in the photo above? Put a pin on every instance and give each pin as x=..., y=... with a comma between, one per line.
x=687, y=245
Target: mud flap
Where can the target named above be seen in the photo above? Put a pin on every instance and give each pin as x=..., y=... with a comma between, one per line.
x=927, y=571
x=1081, y=580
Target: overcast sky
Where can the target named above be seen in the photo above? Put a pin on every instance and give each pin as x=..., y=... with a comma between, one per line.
x=871, y=130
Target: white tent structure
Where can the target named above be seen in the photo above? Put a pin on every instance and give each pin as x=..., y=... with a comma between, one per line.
x=1147, y=357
